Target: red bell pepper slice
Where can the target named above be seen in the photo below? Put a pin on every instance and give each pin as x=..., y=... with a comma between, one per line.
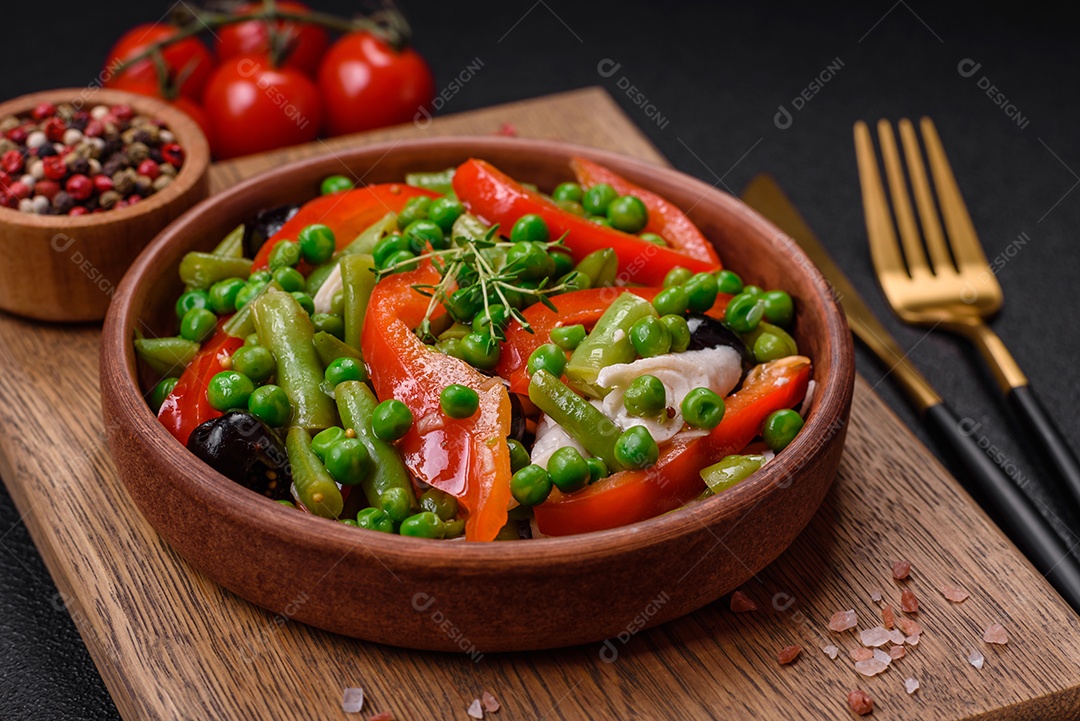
x=467, y=458
x=630, y=496
x=582, y=306
x=348, y=214
x=187, y=407
x=496, y=198
x=665, y=219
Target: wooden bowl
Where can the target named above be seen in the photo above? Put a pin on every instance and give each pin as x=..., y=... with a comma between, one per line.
x=459, y=596
x=63, y=268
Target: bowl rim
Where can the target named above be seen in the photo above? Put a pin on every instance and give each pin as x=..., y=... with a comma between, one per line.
x=206, y=486
x=188, y=134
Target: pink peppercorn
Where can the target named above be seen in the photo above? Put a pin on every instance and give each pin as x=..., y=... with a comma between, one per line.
x=42, y=111
x=54, y=129
x=102, y=183
x=54, y=167
x=19, y=190
x=150, y=169
x=48, y=188
x=79, y=210
x=79, y=187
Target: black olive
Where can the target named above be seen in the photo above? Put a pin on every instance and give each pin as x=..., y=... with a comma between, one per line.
x=706, y=332
x=517, y=419
x=244, y=449
x=266, y=223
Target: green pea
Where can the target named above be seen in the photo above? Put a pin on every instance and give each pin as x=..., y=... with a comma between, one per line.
x=347, y=460
x=399, y=261
x=628, y=214
x=458, y=401
x=335, y=184
x=415, y=209
x=654, y=239
x=450, y=347
x=322, y=441
x=251, y=289
x=444, y=212
x=349, y=522
x=701, y=292
x=729, y=283
x=564, y=263
x=779, y=308
x=290, y=279
x=636, y=448
x=252, y=339
x=549, y=357
x=317, y=244
x=650, y=337
x=287, y=504
x=191, y=300
x=344, y=369
x=388, y=246
x=672, y=301
x=198, y=324
x=530, y=261
x=496, y=316
x=228, y=390
x=568, y=470
x=530, y=227
x=568, y=337
x=270, y=403
x=337, y=303
x=306, y=301
x=454, y=528
x=780, y=429
x=223, y=295
x=597, y=469
x=327, y=323
x=600, y=220
x=730, y=471
x=440, y=503
x=571, y=206
x=397, y=503
x=531, y=485
x=597, y=198
x=424, y=233
x=645, y=397
x=680, y=332
x=677, y=276
x=744, y=312
x=260, y=276
x=568, y=191
x=285, y=254
x=479, y=352
x=254, y=361
x=163, y=390
x=519, y=457
x=423, y=525
x=703, y=408
x=391, y=420
x=752, y=290
x=375, y=519
x=770, y=346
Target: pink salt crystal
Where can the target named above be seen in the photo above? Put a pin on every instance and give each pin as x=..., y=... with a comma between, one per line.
x=861, y=654
x=352, y=700
x=843, y=620
x=995, y=633
x=913, y=640
x=490, y=702
x=976, y=659
x=475, y=710
x=956, y=595
x=897, y=651
x=908, y=626
x=876, y=636
x=741, y=603
x=876, y=596
x=908, y=602
x=911, y=685
x=830, y=651
x=882, y=656
x=901, y=570
x=888, y=616
x=870, y=667
x=896, y=637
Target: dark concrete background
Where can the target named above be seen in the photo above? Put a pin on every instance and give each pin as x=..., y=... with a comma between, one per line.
x=716, y=75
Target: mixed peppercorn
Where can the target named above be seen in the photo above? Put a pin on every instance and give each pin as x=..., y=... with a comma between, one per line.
x=63, y=160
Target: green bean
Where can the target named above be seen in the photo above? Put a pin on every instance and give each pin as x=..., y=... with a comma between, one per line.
x=242, y=323
x=285, y=329
x=440, y=182
x=330, y=349
x=356, y=404
x=317, y=277
x=358, y=280
x=202, y=270
x=166, y=355
x=232, y=246
x=601, y=267
x=608, y=344
x=587, y=425
x=365, y=242
x=469, y=226
x=730, y=471
x=314, y=485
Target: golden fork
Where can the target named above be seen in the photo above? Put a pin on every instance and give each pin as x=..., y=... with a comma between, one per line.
x=954, y=288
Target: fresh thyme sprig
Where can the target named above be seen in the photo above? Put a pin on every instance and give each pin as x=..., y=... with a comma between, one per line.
x=488, y=280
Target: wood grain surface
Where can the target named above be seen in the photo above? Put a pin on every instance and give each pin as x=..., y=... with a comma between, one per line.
x=171, y=644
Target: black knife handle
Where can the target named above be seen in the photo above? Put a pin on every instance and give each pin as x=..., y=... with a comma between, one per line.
x=1011, y=509
x=1027, y=406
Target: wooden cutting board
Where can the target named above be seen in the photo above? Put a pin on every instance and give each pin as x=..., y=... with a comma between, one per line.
x=172, y=644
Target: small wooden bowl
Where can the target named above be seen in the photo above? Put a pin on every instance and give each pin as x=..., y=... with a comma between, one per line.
x=458, y=596
x=63, y=268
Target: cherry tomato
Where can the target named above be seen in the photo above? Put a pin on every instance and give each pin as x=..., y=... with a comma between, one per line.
x=153, y=90
x=367, y=84
x=253, y=107
x=307, y=43
x=188, y=58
